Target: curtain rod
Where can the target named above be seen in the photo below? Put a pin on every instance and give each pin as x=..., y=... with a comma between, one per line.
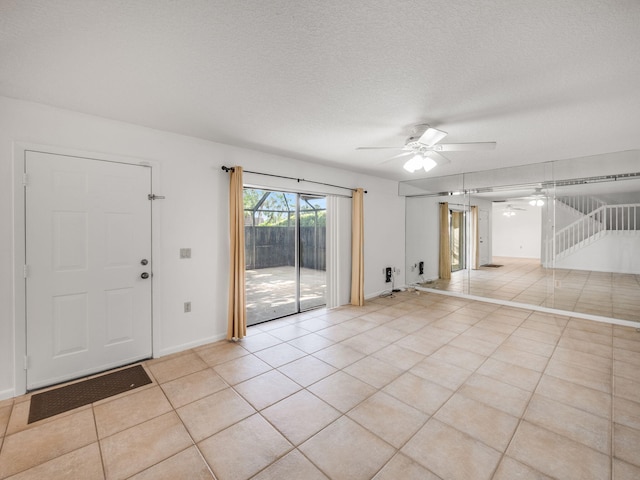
x=231, y=169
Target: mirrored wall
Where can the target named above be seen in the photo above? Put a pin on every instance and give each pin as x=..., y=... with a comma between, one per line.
x=562, y=234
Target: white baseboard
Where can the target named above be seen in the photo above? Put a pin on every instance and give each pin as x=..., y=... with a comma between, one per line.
x=377, y=294
x=6, y=394
x=186, y=346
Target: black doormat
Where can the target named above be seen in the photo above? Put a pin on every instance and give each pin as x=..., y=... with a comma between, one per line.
x=59, y=400
x=492, y=265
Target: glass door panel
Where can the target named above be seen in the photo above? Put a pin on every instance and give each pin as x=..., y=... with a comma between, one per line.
x=457, y=241
x=313, y=275
x=270, y=276
x=284, y=253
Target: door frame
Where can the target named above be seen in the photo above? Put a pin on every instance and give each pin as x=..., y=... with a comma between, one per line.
x=19, y=251
x=487, y=243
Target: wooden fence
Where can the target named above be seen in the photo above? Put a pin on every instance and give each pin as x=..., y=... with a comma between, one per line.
x=267, y=247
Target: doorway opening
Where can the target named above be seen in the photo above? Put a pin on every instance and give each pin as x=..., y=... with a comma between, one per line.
x=456, y=237
x=285, y=253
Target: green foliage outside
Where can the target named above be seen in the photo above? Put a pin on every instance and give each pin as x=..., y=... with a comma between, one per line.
x=277, y=209
x=306, y=220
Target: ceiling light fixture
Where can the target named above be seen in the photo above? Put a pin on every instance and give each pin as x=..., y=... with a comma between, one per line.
x=536, y=202
x=509, y=213
x=418, y=162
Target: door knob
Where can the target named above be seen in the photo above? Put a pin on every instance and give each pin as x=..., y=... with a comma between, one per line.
x=144, y=275
x=144, y=261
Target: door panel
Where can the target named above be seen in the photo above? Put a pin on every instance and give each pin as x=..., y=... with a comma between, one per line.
x=88, y=225
x=284, y=253
x=483, y=229
x=313, y=275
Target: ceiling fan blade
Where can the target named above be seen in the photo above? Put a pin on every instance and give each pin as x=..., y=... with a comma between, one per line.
x=464, y=147
x=403, y=154
x=378, y=148
x=431, y=136
x=438, y=157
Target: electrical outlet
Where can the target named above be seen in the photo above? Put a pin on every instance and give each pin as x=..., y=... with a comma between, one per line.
x=185, y=253
x=387, y=274
x=187, y=307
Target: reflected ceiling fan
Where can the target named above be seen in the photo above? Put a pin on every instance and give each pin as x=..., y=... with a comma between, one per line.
x=537, y=198
x=425, y=150
x=510, y=210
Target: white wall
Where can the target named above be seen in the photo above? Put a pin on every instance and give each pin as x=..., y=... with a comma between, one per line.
x=423, y=237
x=615, y=252
x=194, y=214
x=517, y=236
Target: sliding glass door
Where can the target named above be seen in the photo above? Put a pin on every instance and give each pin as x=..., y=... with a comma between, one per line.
x=285, y=238
x=456, y=237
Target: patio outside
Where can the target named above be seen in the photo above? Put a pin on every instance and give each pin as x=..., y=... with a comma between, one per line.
x=270, y=292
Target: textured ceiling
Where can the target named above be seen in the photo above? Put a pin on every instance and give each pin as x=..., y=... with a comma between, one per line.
x=545, y=79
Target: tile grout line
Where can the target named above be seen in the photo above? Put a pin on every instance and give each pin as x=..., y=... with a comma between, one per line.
x=175, y=411
x=377, y=390
x=344, y=414
x=526, y=408
x=454, y=392
x=95, y=425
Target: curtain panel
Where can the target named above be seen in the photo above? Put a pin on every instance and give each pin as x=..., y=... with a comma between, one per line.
x=357, y=248
x=237, y=315
x=445, y=244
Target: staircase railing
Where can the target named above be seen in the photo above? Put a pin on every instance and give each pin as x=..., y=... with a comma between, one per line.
x=582, y=203
x=606, y=218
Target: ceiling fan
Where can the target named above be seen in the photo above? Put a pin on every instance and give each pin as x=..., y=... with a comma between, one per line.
x=423, y=145
x=537, y=198
x=510, y=210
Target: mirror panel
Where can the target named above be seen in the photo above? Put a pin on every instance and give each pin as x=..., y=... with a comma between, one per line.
x=562, y=234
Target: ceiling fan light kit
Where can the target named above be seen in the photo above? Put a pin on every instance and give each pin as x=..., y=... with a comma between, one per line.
x=418, y=162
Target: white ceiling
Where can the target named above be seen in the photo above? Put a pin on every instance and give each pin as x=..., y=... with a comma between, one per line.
x=545, y=79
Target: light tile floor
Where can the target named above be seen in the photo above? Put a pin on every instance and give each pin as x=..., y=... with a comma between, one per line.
x=411, y=387
x=523, y=280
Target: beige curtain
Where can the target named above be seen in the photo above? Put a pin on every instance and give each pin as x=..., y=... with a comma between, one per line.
x=445, y=245
x=475, y=238
x=357, y=248
x=237, y=326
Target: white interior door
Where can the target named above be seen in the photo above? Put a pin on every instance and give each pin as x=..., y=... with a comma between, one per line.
x=483, y=233
x=88, y=233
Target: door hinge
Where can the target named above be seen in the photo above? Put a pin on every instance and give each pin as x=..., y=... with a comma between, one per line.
x=152, y=196
x=25, y=179
x=27, y=362
x=25, y=271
